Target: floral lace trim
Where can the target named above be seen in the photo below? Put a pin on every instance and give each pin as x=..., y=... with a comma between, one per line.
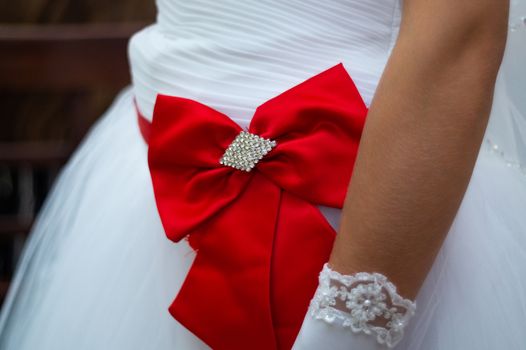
x=364, y=302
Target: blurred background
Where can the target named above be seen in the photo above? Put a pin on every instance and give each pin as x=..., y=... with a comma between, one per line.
x=61, y=64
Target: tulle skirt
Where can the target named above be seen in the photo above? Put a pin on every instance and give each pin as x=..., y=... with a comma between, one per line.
x=99, y=273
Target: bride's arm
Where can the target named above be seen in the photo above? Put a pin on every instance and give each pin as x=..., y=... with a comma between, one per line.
x=420, y=142
x=421, y=139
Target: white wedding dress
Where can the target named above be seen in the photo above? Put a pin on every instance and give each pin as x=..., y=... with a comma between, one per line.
x=98, y=271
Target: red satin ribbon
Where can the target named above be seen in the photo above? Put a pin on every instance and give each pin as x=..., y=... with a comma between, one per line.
x=260, y=239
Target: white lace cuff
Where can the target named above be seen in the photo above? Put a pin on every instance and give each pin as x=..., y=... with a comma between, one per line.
x=364, y=302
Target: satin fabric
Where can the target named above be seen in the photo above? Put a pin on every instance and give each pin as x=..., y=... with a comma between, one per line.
x=260, y=239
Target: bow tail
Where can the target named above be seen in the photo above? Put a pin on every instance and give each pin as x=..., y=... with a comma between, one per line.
x=302, y=245
x=225, y=299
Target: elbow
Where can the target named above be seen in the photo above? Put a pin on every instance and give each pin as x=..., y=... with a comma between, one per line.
x=484, y=35
x=467, y=33
x=459, y=47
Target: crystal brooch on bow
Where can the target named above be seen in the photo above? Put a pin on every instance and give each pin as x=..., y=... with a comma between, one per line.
x=246, y=151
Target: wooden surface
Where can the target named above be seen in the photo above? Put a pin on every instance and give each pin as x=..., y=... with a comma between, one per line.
x=73, y=61
x=76, y=11
x=60, y=57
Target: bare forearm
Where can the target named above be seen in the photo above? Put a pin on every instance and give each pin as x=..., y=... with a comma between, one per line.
x=421, y=139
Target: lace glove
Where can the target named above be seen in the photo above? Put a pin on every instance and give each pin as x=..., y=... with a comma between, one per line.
x=347, y=311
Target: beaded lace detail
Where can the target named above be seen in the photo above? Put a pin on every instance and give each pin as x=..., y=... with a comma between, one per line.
x=495, y=149
x=364, y=302
x=517, y=23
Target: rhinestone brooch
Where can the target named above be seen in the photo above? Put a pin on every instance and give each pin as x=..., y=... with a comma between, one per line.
x=246, y=151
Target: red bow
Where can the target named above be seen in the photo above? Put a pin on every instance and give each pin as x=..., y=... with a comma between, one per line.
x=260, y=239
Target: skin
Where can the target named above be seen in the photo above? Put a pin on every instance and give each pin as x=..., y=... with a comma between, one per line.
x=421, y=139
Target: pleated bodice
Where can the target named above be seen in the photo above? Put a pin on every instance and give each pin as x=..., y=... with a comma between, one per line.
x=234, y=55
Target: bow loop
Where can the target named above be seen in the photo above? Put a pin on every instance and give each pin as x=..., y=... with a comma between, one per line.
x=189, y=134
x=317, y=125
x=186, y=142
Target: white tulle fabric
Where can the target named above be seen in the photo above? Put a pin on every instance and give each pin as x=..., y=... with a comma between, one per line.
x=98, y=271
x=506, y=131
